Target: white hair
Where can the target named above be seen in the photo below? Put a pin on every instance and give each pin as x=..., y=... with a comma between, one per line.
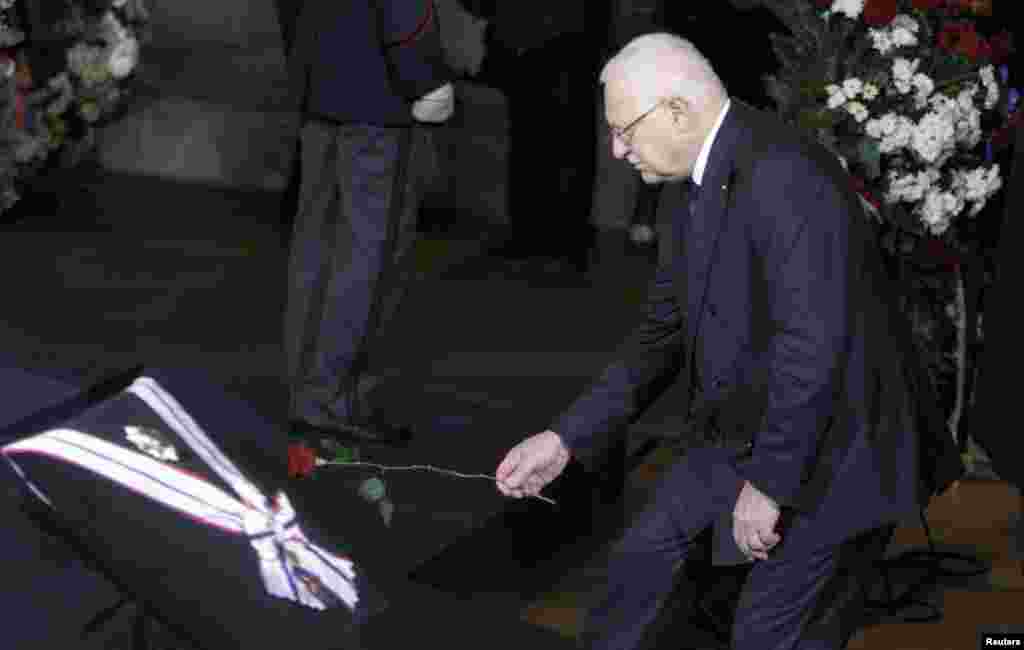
x=663, y=66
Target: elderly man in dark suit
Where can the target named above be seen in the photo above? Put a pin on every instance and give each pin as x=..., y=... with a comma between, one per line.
x=776, y=312
x=365, y=71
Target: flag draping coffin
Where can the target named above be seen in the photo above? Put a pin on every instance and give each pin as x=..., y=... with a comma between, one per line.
x=173, y=520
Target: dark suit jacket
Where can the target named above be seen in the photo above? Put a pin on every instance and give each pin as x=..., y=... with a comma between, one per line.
x=366, y=61
x=778, y=297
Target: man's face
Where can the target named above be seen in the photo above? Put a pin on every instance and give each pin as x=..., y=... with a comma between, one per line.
x=661, y=141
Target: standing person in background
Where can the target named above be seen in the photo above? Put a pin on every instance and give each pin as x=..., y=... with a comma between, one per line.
x=545, y=57
x=366, y=71
x=287, y=15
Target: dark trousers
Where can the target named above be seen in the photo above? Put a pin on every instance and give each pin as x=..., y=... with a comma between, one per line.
x=350, y=257
x=552, y=94
x=780, y=593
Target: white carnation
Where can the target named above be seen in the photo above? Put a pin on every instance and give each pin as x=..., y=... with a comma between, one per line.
x=903, y=68
x=903, y=38
x=988, y=78
x=934, y=136
x=905, y=22
x=881, y=40
x=938, y=208
x=852, y=8
x=836, y=96
x=123, y=58
x=852, y=87
x=925, y=86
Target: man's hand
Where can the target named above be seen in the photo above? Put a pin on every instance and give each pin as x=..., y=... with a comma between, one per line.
x=754, y=519
x=531, y=465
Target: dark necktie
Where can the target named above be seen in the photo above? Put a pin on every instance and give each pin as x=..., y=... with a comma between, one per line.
x=692, y=194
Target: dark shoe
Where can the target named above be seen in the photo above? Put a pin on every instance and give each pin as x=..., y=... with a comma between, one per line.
x=364, y=432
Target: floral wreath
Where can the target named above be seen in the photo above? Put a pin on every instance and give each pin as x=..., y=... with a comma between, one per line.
x=912, y=97
x=41, y=117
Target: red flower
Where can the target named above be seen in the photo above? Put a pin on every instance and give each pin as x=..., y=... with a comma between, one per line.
x=880, y=12
x=927, y=5
x=823, y=4
x=1002, y=47
x=301, y=460
x=977, y=7
x=961, y=38
x=859, y=186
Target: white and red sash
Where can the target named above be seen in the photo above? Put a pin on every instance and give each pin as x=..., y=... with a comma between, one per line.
x=292, y=567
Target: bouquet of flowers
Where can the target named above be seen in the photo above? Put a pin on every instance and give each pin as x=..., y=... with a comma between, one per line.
x=907, y=93
x=911, y=96
x=55, y=117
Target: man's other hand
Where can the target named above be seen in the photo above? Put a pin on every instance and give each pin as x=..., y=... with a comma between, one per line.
x=531, y=465
x=754, y=519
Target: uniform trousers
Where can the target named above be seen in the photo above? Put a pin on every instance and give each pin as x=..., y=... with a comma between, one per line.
x=777, y=600
x=350, y=260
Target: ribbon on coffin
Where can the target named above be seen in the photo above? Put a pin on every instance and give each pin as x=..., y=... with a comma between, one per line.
x=292, y=567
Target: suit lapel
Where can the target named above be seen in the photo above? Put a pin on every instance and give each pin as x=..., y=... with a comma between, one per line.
x=708, y=218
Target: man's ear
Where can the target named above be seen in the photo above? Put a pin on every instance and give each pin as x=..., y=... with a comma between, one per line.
x=682, y=113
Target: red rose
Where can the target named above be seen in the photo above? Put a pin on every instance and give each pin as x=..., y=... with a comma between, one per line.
x=977, y=7
x=1002, y=47
x=880, y=12
x=927, y=5
x=984, y=50
x=961, y=38
x=301, y=460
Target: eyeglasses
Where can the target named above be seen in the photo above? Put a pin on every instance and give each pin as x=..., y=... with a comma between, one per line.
x=623, y=134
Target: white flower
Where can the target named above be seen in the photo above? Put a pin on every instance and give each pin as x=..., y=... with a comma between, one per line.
x=852, y=8
x=988, y=77
x=966, y=97
x=934, y=136
x=911, y=187
x=836, y=96
x=852, y=87
x=905, y=22
x=902, y=72
x=858, y=111
x=123, y=58
x=903, y=38
x=9, y=68
x=870, y=91
x=924, y=85
x=968, y=128
x=881, y=40
x=114, y=30
x=977, y=186
x=938, y=209
x=894, y=131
